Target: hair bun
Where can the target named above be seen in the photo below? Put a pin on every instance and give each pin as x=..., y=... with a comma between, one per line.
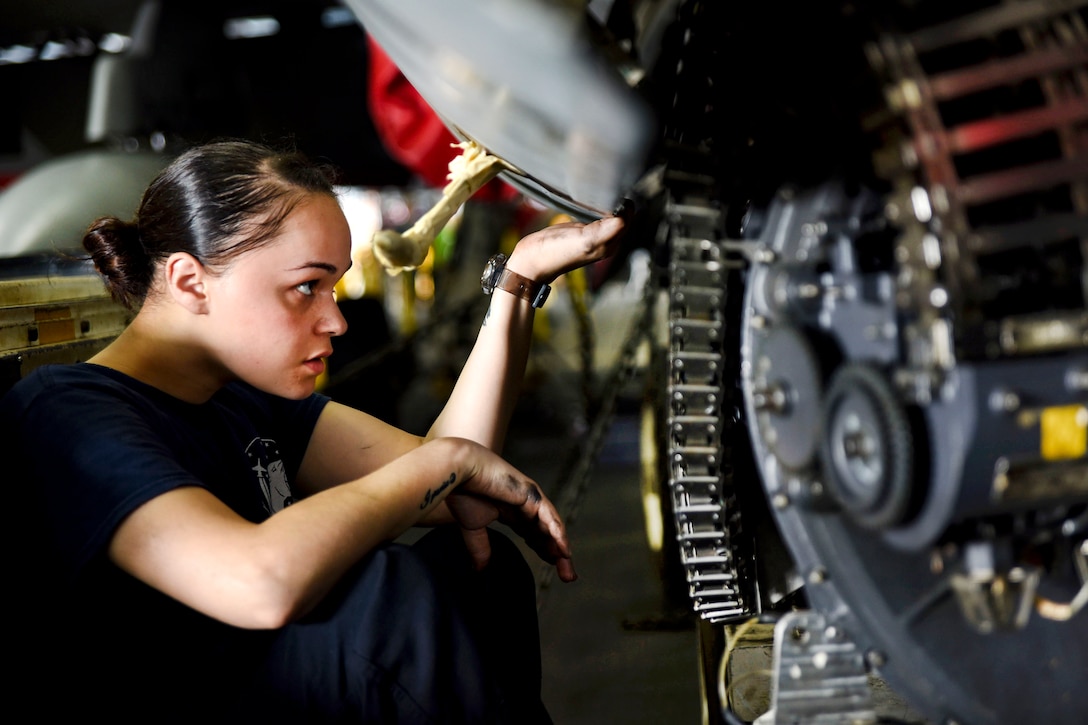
x=115, y=249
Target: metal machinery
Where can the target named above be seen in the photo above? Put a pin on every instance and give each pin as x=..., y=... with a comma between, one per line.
x=872, y=234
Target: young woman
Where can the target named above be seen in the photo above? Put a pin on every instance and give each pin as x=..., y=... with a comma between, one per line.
x=204, y=537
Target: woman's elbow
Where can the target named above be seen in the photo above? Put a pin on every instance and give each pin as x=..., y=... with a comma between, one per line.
x=274, y=600
x=268, y=613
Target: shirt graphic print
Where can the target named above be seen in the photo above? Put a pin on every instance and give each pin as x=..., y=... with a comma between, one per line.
x=267, y=465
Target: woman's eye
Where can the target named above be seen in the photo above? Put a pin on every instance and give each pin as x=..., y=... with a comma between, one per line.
x=306, y=288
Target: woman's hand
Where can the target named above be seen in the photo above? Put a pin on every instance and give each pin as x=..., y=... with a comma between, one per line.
x=499, y=492
x=544, y=255
x=479, y=408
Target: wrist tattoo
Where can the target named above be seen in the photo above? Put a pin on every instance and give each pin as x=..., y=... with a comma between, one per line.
x=433, y=494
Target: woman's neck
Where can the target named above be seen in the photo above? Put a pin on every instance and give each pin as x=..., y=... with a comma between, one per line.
x=151, y=351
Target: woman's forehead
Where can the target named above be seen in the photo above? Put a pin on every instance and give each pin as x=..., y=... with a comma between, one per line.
x=316, y=224
x=314, y=236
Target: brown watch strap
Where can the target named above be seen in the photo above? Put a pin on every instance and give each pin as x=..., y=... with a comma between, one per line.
x=523, y=287
x=517, y=285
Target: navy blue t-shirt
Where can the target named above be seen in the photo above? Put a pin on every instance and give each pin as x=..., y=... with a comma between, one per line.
x=83, y=447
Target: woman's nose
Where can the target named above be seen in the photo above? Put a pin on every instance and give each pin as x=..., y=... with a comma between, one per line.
x=332, y=319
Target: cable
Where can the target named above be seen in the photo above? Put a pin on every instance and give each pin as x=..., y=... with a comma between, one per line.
x=723, y=665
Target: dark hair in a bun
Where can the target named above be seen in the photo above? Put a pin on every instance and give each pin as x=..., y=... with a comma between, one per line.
x=115, y=249
x=214, y=202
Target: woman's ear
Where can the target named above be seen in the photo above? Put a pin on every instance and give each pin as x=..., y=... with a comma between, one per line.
x=185, y=282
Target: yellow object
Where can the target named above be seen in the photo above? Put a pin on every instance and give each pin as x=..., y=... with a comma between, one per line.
x=1063, y=432
x=408, y=303
x=474, y=167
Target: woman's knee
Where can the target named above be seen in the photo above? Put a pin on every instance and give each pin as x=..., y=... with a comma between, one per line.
x=387, y=638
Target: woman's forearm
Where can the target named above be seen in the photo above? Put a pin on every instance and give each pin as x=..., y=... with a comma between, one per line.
x=486, y=392
x=189, y=545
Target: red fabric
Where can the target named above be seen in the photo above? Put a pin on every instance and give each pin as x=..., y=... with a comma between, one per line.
x=411, y=131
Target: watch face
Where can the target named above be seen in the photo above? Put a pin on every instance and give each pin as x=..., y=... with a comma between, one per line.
x=492, y=270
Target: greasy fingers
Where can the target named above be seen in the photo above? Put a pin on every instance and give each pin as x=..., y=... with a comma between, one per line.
x=557, y=532
x=478, y=545
x=603, y=235
x=508, y=488
x=565, y=568
x=547, y=536
x=594, y=241
x=472, y=512
x=497, y=491
x=554, y=250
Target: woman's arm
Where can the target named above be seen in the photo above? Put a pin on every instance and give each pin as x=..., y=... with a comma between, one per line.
x=189, y=545
x=483, y=398
x=347, y=443
x=486, y=391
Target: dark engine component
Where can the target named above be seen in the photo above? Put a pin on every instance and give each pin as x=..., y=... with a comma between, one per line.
x=913, y=340
x=911, y=343
x=873, y=249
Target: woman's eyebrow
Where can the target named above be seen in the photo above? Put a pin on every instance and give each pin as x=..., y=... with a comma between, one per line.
x=330, y=268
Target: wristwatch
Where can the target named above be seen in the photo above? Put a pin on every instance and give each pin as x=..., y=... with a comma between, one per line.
x=497, y=276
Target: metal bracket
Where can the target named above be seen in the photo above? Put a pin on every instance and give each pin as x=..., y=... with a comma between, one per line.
x=820, y=676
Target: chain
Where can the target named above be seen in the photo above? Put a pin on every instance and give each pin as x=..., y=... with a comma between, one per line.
x=700, y=379
x=700, y=482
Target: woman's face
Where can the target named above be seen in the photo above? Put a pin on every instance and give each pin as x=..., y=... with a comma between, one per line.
x=272, y=312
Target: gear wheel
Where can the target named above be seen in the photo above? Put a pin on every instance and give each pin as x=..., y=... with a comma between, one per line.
x=787, y=395
x=867, y=447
